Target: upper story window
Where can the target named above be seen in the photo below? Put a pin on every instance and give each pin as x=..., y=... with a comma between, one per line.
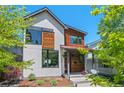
x=76, y=39
x=33, y=36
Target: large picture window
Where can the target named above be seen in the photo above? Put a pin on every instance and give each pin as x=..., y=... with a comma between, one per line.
x=76, y=39
x=33, y=37
x=49, y=58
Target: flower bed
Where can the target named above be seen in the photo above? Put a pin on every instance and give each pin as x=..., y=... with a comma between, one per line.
x=47, y=82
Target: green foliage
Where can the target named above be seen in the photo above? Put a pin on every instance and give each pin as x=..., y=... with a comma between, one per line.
x=53, y=82
x=82, y=51
x=95, y=12
x=31, y=77
x=103, y=81
x=97, y=80
x=12, y=27
x=40, y=82
x=111, y=31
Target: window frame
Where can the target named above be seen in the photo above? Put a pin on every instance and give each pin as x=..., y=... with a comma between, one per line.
x=74, y=37
x=47, y=51
x=33, y=30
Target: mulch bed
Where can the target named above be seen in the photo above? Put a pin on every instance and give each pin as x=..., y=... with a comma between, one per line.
x=61, y=82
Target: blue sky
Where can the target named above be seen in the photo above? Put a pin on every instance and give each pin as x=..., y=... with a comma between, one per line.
x=76, y=16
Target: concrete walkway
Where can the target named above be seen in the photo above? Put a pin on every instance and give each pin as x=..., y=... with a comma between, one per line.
x=80, y=80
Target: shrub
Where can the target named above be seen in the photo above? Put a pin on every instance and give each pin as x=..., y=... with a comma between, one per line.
x=31, y=77
x=40, y=82
x=53, y=82
x=98, y=80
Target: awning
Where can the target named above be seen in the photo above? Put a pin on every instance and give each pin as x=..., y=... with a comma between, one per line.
x=69, y=47
x=74, y=47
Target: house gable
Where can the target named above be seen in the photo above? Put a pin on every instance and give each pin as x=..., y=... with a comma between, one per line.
x=49, y=12
x=45, y=19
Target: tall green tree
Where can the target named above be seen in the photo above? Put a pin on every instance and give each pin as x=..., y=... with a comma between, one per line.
x=12, y=27
x=111, y=31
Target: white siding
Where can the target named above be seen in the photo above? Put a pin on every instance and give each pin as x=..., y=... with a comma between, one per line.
x=35, y=51
x=32, y=52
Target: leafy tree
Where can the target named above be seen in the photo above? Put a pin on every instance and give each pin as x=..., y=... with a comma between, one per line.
x=111, y=31
x=82, y=51
x=12, y=27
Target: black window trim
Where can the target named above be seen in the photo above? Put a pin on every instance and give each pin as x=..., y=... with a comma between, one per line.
x=76, y=43
x=34, y=30
x=48, y=57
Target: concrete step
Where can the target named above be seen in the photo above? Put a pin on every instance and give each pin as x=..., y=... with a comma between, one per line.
x=76, y=76
x=82, y=82
x=79, y=79
x=84, y=85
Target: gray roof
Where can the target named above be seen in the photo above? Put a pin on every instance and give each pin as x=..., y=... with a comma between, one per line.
x=77, y=29
x=92, y=43
x=45, y=9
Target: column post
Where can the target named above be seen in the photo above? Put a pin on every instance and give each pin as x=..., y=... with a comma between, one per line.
x=68, y=64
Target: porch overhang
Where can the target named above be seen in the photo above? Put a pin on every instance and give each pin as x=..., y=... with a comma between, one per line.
x=74, y=47
x=69, y=47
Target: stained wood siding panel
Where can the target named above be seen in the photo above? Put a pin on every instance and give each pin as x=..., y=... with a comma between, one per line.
x=70, y=32
x=48, y=40
x=76, y=65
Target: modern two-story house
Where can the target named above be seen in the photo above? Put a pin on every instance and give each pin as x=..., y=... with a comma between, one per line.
x=52, y=45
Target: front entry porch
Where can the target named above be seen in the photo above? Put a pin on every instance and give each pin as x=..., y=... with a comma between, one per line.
x=74, y=62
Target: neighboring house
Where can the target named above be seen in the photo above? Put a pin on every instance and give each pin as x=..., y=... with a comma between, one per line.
x=94, y=63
